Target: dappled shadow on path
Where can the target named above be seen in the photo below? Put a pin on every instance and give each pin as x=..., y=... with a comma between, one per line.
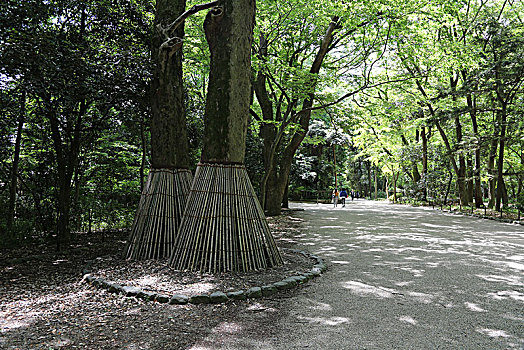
x=399, y=277
x=460, y=278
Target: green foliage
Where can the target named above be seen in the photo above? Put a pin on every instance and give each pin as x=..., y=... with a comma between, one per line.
x=386, y=80
x=84, y=69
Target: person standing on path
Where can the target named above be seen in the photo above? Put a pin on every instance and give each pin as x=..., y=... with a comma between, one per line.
x=343, y=196
x=334, y=196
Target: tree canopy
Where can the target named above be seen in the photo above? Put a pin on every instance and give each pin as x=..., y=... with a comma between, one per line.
x=398, y=99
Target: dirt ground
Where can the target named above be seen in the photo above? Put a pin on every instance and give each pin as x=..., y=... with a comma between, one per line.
x=45, y=305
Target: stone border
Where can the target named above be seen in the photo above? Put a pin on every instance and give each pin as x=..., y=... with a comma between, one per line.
x=213, y=298
x=486, y=217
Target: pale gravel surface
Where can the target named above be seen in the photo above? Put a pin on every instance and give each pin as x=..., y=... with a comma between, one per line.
x=399, y=278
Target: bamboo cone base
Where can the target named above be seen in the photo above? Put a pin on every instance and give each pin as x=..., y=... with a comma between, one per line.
x=224, y=227
x=159, y=214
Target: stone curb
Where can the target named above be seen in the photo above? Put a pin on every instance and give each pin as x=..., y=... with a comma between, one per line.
x=486, y=217
x=217, y=297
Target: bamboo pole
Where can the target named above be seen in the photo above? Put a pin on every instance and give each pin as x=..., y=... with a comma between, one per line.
x=223, y=226
x=157, y=220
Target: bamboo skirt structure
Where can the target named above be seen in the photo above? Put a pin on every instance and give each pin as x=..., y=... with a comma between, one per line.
x=224, y=227
x=159, y=214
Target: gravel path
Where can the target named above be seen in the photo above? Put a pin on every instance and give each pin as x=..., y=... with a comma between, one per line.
x=399, y=278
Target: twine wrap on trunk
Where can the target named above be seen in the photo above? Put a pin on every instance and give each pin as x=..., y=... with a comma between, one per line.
x=224, y=227
x=159, y=214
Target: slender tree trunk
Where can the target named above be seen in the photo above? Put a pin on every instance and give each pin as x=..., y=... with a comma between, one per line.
x=492, y=182
x=477, y=191
x=335, y=166
x=416, y=172
x=269, y=134
x=461, y=175
x=387, y=187
x=521, y=176
x=500, y=161
x=14, y=169
x=376, y=182
x=67, y=161
x=448, y=187
x=286, y=159
x=268, y=131
x=395, y=178
x=469, y=185
x=457, y=168
x=77, y=221
x=285, y=199
x=424, y=160
x=144, y=154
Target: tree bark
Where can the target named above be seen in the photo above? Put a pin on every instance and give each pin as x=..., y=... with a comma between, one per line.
x=492, y=181
x=470, y=185
x=285, y=200
x=395, y=178
x=370, y=181
x=67, y=161
x=461, y=175
x=472, y=107
x=165, y=193
x=424, y=160
x=275, y=189
x=14, y=168
x=227, y=103
x=144, y=154
x=500, y=160
x=376, y=182
x=169, y=145
x=268, y=131
x=224, y=227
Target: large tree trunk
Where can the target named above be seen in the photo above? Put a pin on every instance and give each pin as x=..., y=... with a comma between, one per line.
x=169, y=145
x=224, y=227
x=164, y=196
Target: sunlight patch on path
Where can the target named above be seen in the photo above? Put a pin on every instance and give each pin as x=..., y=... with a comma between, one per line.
x=408, y=319
x=364, y=290
x=474, y=307
x=507, y=294
x=328, y=321
x=493, y=333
